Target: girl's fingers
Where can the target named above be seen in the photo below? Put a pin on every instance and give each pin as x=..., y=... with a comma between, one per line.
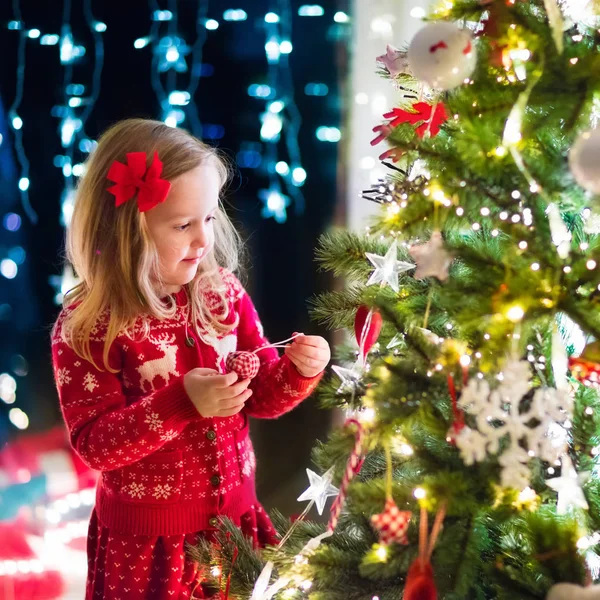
x=228, y=403
x=311, y=340
x=303, y=360
x=224, y=381
x=231, y=411
x=312, y=352
x=237, y=388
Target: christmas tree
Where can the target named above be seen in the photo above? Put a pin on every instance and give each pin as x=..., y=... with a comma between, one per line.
x=468, y=464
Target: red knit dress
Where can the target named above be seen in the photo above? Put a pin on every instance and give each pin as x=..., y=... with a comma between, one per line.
x=167, y=474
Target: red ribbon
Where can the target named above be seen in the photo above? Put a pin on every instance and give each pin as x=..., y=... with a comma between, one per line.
x=459, y=415
x=133, y=178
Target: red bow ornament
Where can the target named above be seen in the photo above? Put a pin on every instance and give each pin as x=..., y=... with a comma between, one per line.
x=134, y=178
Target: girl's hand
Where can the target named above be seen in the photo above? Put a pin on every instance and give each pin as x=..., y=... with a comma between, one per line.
x=310, y=354
x=216, y=395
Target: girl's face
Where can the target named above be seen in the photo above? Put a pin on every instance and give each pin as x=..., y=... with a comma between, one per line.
x=182, y=227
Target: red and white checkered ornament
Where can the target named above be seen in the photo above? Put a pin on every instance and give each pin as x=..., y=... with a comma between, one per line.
x=245, y=364
x=392, y=523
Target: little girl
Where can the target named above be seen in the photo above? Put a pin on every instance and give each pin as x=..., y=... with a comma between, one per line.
x=139, y=353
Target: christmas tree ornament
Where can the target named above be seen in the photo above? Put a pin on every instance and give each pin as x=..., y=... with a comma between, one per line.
x=320, y=489
x=432, y=259
x=524, y=430
x=420, y=581
x=353, y=467
x=569, y=591
x=350, y=378
x=586, y=368
x=394, y=60
x=568, y=486
x=442, y=55
x=430, y=117
x=388, y=267
x=392, y=524
x=584, y=160
x=367, y=327
x=245, y=364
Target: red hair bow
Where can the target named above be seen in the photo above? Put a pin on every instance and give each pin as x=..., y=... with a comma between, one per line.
x=134, y=178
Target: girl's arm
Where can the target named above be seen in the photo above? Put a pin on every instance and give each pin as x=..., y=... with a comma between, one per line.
x=278, y=387
x=104, y=431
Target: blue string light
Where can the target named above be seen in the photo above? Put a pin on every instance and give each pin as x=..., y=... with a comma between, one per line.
x=16, y=122
x=281, y=117
x=74, y=113
x=169, y=60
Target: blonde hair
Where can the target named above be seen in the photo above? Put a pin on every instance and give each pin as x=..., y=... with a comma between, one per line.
x=113, y=254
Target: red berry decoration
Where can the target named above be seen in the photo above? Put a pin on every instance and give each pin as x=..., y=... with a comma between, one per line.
x=245, y=364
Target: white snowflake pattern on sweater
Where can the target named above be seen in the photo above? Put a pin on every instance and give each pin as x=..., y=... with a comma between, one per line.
x=162, y=491
x=62, y=376
x=167, y=436
x=153, y=420
x=90, y=383
x=136, y=490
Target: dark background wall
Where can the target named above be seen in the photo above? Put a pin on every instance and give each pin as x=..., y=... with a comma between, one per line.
x=281, y=273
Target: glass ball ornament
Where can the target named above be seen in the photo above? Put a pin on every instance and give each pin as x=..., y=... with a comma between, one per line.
x=584, y=160
x=442, y=55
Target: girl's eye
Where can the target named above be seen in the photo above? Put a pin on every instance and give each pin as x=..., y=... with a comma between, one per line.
x=211, y=218
x=182, y=227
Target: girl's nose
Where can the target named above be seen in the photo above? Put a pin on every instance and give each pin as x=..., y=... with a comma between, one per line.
x=201, y=239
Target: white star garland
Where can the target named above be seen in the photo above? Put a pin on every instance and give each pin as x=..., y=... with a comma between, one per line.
x=350, y=378
x=388, y=267
x=568, y=486
x=320, y=489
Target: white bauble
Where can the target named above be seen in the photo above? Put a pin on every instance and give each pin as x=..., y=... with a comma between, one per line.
x=442, y=55
x=584, y=160
x=568, y=591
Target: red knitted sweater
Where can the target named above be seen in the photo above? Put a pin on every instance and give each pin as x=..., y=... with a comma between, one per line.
x=165, y=469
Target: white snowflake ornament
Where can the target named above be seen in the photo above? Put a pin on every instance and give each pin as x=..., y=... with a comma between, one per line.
x=432, y=259
x=499, y=415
